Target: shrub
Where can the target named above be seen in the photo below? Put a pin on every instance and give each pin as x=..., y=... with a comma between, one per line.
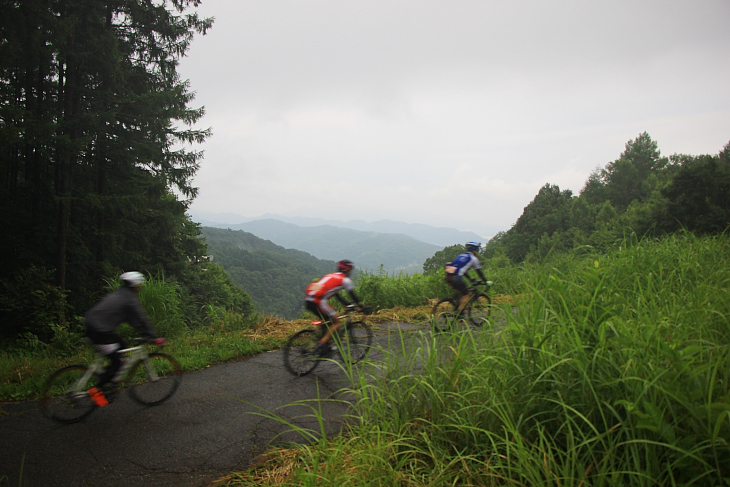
x=31, y=304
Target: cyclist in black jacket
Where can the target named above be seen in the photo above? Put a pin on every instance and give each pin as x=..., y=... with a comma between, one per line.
x=121, y=306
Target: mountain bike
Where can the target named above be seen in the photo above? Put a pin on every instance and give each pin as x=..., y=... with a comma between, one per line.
x=153, y=378
x=446, y=315
x=351, y=342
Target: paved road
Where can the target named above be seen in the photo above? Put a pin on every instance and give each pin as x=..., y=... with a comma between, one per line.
x=204, y=432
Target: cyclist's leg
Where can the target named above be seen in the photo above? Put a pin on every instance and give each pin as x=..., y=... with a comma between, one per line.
x=457, y=282
x=313, y=307
x=330, y=321
x=107, y=344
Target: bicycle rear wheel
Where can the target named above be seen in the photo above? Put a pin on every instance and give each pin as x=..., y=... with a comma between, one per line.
x=300, y=352
x=64, y=397
x=478, y=309
x=444, y=315
x=154, y=380
x=356, y=342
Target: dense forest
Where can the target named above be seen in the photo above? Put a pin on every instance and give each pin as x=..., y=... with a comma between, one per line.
x=273, y=276
x=97, y=156
x=640, y=194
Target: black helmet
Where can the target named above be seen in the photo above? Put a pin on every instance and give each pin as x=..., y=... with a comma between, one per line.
x=345, y=265
x=473, y=246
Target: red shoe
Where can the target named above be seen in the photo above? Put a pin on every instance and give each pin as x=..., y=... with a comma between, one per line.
x=97, y=395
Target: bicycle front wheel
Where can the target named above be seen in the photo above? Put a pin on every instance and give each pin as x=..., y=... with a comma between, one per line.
x=478, y=309
x=356, y=342
x=300, y=352
x=444, y=315
x=155, y=379
x=64, y=397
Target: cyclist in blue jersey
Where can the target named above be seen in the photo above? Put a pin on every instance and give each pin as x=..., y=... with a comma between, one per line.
x=456, y=271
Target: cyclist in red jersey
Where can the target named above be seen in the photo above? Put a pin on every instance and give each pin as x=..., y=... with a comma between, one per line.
x=318, y=293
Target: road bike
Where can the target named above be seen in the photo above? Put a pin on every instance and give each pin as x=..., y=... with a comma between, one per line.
x=351, y=342
x=152, y=377
x=446, y=315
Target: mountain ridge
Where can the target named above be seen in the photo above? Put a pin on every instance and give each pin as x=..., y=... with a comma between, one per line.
x=440, y=236
x=369, y=250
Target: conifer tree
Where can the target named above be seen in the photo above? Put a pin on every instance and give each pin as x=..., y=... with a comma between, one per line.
x=96, y=131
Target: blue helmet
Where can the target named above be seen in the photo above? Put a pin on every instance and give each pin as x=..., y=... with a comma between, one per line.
x=473, y=246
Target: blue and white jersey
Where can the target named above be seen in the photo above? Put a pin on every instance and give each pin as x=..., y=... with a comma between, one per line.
x=462, y=263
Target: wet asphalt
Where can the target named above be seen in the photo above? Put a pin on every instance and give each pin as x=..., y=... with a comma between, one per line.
x=216, y=424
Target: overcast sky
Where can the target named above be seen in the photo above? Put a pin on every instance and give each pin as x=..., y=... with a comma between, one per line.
x=449, y=113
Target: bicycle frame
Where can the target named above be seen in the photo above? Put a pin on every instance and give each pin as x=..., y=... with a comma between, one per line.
x=473, y=290
x=351, y=341
x=138, y=353
x=324, y=325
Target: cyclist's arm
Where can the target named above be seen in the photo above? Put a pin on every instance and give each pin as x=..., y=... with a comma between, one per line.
x=341, y=299
x=345, y=302
x=138, y=319
x=349, y=286
x=354, y=298
x=481, y=274
x=478, y=268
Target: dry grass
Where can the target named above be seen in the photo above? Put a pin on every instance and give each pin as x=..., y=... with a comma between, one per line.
x=273, y=327
x=271, y=468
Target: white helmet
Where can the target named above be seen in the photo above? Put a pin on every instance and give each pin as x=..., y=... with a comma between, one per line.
x=132, y=279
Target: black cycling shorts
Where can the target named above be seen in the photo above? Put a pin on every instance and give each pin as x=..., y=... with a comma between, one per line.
x=456, y=281
x=314, y=308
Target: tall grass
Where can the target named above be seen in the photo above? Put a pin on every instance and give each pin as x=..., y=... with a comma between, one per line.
x=386, y=291
x=613, y=370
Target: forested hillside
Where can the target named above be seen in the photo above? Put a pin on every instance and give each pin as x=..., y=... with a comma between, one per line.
x=97, y=159
x=273, y=276
x=369, y=250
x=640, y=194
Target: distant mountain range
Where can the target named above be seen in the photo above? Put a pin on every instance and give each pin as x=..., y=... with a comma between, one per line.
x=369, y=250
x=439, y=236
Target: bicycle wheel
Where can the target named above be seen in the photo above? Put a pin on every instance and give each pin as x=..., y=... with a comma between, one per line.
x=478, y=309
x=443, y=315
x=155, y=380
x=64, y=397
x=356, y=342
x=300, y=353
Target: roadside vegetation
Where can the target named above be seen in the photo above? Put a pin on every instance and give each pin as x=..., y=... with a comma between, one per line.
x=609, y=366
x=222, y=334
x=198, y=334
x=612, y=369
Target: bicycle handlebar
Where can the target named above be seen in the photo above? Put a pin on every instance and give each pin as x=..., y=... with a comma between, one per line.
x=363, y=309
x=159, y=341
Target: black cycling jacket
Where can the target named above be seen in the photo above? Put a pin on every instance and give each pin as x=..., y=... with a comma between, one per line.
x=121, y=306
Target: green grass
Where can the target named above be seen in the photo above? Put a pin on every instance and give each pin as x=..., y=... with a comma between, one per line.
x=611, y=370
x=223, y=337
x=615, y=370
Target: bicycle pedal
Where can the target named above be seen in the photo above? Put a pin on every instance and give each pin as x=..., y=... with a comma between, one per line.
x=97, y=397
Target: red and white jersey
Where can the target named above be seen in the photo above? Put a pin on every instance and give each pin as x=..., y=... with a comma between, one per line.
x=328, y=286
